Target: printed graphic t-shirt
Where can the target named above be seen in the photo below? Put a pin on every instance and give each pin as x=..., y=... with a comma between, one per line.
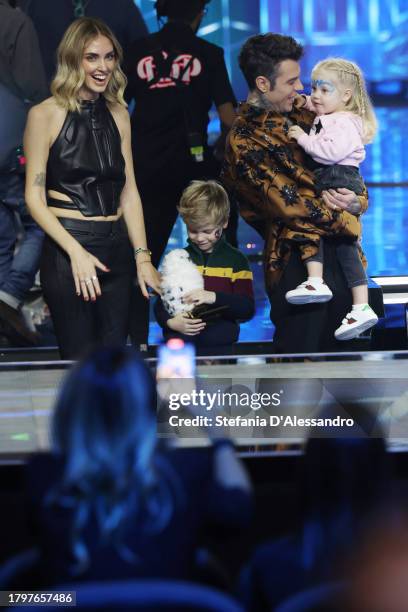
x=168, y=71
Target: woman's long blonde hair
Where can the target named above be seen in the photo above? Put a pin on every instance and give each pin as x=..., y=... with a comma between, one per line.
x=349, y=75
x=70, y=75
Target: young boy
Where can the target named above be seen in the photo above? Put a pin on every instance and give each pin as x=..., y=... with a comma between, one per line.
x=204, y=208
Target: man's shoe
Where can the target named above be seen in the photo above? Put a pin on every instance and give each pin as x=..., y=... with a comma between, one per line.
x=355, y=323
x=15, y=319
x=309, y=293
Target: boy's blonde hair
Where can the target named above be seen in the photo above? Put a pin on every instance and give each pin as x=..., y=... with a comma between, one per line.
x=203, y=203
x=70, y=75
x=350, y=76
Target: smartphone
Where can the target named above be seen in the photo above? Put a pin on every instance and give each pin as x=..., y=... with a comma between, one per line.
x=175, y=371
x=176, y=359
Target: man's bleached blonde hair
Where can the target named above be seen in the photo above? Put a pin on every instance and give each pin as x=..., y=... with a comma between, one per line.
x=349, y=76
x=204, y=203
x=70, y=75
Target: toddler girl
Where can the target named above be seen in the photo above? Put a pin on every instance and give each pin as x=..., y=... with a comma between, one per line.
x=344, y=122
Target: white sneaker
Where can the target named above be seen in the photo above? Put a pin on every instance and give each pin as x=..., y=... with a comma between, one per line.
x=355, y=323
x=309, y=292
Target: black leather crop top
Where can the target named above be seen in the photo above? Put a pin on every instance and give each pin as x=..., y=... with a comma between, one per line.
x=86, y=163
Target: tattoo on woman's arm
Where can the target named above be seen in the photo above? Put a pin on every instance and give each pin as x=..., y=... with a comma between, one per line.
x=39, y=180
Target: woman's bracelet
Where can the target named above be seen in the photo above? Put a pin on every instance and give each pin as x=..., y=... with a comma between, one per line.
x=141, y=250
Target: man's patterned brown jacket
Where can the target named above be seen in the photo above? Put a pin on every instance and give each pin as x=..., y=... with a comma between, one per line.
x=265, y=171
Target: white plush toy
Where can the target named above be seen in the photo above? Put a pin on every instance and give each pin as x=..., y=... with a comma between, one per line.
x=179, y=276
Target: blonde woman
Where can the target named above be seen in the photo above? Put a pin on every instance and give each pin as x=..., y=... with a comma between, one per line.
x=81, y=190
x=344, y=123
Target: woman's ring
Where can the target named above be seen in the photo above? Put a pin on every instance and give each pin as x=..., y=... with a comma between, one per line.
x=88, y=281
x=94, y=278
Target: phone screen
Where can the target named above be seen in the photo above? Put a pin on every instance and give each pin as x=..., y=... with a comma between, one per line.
x=176, y=359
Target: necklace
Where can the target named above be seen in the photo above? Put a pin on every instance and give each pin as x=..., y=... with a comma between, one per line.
x=79, y=7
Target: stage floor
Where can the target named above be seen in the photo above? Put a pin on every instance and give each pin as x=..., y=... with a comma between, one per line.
x=377, y=381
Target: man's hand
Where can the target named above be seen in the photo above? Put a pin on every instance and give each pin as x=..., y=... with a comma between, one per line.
x=200, y=296
x=342, y=199
x=295, y=132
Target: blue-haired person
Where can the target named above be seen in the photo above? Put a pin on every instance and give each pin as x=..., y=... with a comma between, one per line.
x=109, y=501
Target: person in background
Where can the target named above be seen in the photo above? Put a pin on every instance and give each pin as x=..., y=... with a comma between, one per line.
x=344, y=489
x=377, y=579
x=204, y=208
x=174, y=78
x=22, y=83
x=81, y=190
x=51, y=18
x=109, y=501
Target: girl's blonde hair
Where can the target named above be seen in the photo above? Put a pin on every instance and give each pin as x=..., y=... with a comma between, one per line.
x=204, y=202
x=70, y=75
x=350, y=76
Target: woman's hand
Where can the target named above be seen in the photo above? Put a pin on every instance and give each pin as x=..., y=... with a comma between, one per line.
x=200, y=296
x=182, y=324
x=295, y=132
x=342, y=199
x=84, y=266
x=148, y=276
